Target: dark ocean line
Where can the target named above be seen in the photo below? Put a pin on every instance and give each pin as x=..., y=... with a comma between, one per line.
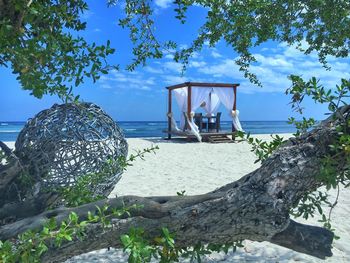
x=9, y=130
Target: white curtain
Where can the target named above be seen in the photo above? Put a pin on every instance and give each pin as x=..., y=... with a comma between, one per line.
x=197, y=98
x=212, y=104
x=173, y=126
x=181, y=99
x=226, y=96
x=199, y=95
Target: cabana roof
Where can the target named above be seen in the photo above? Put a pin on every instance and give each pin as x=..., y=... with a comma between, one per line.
x=203, y=84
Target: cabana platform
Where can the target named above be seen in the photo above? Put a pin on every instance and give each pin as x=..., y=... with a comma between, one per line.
x=191, y=96
x=214, y=137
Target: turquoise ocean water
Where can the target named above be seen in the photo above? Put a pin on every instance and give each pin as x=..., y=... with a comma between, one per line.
x=135, y=129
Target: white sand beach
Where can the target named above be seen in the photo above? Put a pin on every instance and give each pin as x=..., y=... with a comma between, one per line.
x=198, y=168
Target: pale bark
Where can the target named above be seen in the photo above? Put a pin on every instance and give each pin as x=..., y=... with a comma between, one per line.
x=8, y=174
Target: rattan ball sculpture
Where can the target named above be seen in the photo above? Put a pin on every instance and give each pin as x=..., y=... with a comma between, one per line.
x=68, y=141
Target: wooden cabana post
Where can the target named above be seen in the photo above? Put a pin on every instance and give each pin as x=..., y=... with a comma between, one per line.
x=234, y=97
x=234, y=105
x=189, y=104
x=169, y=113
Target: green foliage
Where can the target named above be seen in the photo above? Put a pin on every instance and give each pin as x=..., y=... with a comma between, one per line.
x=137, y=246
x=181, y=193
x=45, y=51
x=31, y=245
x=82, y=191
x=141, y=32
x=335, y=167
x=166, y=247
x=196, y=253
x=262, y=149
x=302, y=126
x=48, y=57
x=309, y=204
x=124, y=162
x=311, y=26
x=142, y=249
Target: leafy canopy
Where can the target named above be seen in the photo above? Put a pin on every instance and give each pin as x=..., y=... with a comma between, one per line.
x=39, y=40
x=322, y=26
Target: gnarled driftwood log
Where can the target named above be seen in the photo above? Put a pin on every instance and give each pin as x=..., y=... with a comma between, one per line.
x=256, y=207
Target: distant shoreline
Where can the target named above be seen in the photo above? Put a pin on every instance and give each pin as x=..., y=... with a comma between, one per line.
x=118, y=121
x=146, y=129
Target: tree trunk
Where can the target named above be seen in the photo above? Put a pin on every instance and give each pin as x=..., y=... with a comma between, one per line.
x=256, y=207
x=18, y=200
x=9, y=172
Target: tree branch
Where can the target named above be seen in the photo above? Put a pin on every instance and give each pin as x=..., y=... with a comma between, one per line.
x=256, y=207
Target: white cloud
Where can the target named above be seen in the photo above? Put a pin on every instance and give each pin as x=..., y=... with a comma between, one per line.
x=169, y=56
x=215, y=54
x=273, y=61
x=195, y=54
x=163, y=3
x=129, y=80
x=153, y=70
x=272, y=68
x=173, y=66
x=105, y=86
x=222, y=68
x=197, y=64
x=174, y=79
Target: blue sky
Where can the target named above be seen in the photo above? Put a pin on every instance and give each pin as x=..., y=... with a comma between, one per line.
x=141, y=94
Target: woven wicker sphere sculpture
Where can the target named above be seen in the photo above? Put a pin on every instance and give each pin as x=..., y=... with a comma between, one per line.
x=68, y=141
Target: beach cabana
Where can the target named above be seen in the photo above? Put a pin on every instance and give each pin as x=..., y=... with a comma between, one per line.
x=190, y=96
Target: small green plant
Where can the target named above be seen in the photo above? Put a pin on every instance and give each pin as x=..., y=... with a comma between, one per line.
x=310, y=204
x=302, y=126
x=30, y=246
x=126, y=162
x=335, y=167
x=198, y=251
x=137, y=246
x=142, y=249
x=181, y=193
x=166, y=249
x=262, y=149
x=82, y=191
